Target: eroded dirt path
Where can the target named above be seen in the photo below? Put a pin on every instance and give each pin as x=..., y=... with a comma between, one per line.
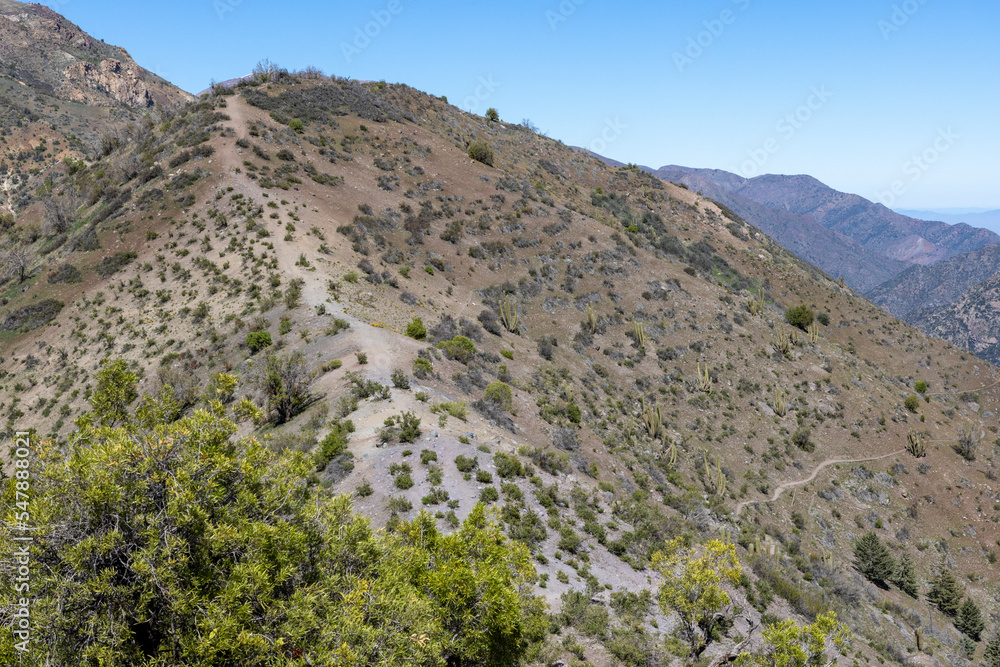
x=781, y=488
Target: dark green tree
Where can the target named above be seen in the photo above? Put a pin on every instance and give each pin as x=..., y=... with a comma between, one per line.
x=905, y=577
x=873, y=558
x=970, y=620
x=799, y=316
x=284, y=383
x=945, y=593
x=991, y=658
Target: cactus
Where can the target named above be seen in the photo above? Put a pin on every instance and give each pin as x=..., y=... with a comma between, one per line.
x=704, y=380
x=652, y=417
x=782, y=341
x=813, y=333
x=919, y=635
x=915, y=445
x=672, y=453
x=640, y=335
x=720, y=484
x=591, y=318
x=756, y=304
x=780, y=407
x=508, y=314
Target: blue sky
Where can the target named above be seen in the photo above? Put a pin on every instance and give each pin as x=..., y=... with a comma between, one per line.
x=895, y=100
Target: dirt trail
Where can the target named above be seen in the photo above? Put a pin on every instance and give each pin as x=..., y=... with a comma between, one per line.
x=781, y=488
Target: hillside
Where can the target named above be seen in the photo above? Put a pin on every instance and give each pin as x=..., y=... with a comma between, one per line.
x=970, y=321
x=936, y=286
x=835, y=253
x=655, y=389
x=61, y=91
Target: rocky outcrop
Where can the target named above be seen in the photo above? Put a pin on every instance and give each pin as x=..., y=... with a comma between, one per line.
x=109, y=78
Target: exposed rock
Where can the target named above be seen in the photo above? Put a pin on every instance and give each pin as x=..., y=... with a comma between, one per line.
x=110, y=77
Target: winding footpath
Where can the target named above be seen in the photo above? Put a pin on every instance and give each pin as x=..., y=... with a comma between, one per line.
x=781, y=488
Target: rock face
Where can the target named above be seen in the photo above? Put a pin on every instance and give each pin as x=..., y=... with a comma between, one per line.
x=44, y=51
x=110, y=78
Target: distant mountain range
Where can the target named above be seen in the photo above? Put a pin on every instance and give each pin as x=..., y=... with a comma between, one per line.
x=933, y=270
x=988, y=219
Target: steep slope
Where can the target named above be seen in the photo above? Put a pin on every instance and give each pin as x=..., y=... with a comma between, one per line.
x=969, y=321
x=873, y=225
x=647, y=397
x=836, y=254
x=938, y=285
x=63, y=96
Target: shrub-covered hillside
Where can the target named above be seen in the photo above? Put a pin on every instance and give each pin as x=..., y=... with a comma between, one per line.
x=450, y=318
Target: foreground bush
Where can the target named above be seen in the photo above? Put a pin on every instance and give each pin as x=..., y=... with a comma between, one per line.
x=177, y=544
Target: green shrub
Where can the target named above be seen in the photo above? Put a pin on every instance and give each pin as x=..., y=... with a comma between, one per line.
x=428, y=455
x=335, y=443
x=296, y=125
x=911, y=403
x=500, y=394
x=824, y=319
x=484, y=477
x=480, y=151
x=403, y=481
x=399, y=379
x=920, y=387
x=258, y=340
x=362, y=358
x=507, y=466
x=365, y=489
x=423, y=368
x=489, y=494
x=799, y=316
x=465, y=464
x=492, y=115
x=459, y=348
x=416, y=329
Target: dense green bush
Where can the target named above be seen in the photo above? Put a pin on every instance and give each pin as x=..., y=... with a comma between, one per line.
x=258, y=340
x=180, y=544
x=416, y=329
x=911, y=403
x=480, y=151
x=799, y=316
x=459, y=348
x=500, y=394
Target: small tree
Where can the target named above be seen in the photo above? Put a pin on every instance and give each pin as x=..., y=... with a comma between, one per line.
x=945, y=593
x=920, y=387
x=788, y=644
x=116, y=390
x=480, y=151
x=968, y=440
x=258, y=340
x=492, y=115
x=970, y=620
x=911, y=403
x=905, y=577
x=16, y=262
x=799, y=316
x=416, y=329
x=283, y=382
x=692, y=587
x=991, y=657
x=873, y=558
